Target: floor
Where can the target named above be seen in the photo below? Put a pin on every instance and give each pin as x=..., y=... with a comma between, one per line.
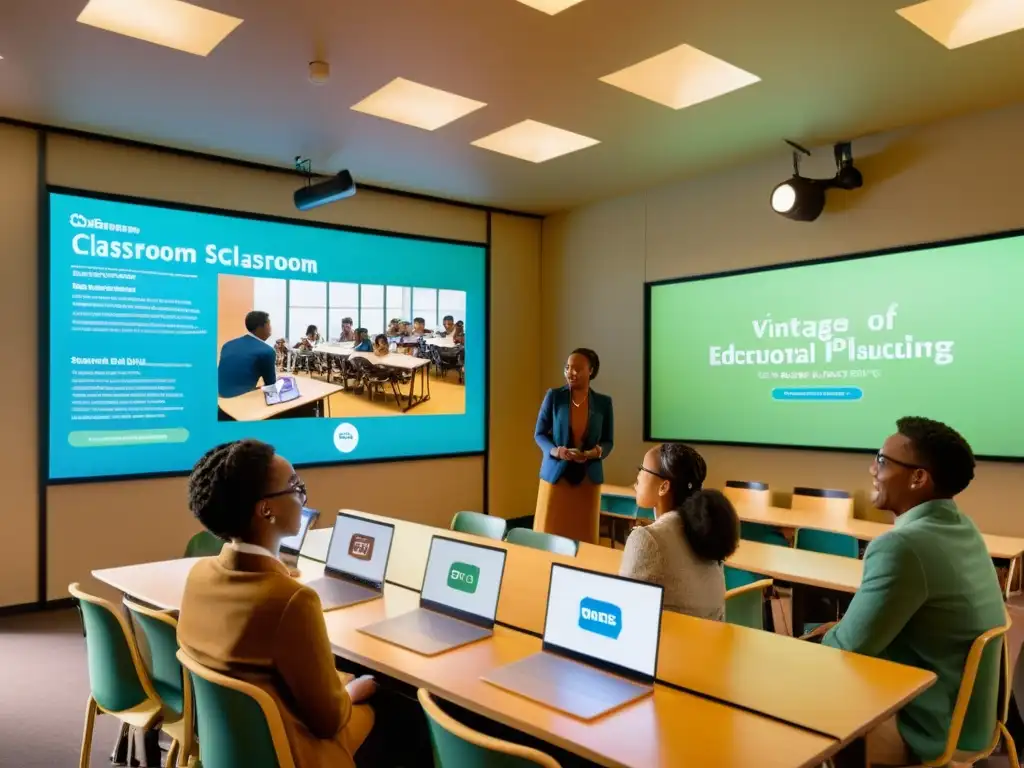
x=447, y=396
x=44, y=685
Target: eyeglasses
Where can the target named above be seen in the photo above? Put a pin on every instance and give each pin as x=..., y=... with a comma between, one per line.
x=881, y=460
x=652, y=472
x=298, y=487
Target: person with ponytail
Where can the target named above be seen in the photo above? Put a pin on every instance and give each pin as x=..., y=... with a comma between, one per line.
x=693, y=531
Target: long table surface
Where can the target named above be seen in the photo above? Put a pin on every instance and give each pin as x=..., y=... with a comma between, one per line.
x=1000, y=547
x=669, y=728
x=760, y=671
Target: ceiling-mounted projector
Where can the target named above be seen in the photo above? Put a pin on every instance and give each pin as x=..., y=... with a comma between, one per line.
x=803, y=199
x=313, y=195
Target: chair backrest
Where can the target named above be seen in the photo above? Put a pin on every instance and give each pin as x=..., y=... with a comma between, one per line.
x=456, y=746
x=827, y=542
x=838, y=503
x=117, y=678
x=479, y=525
x=736, y=577
x=765, y=534
x=549, y=542
x=161, y=632
x=977, y=712
x=747, y=494
x=745, y=605
x=239, y=724
x=204, y=544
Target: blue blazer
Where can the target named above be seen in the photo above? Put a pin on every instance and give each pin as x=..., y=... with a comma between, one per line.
x=553, y=430
x=243, y=362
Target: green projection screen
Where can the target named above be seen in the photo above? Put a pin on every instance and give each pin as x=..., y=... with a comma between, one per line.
x=829, y=354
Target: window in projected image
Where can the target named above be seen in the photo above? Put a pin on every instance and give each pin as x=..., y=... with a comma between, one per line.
x=830, y=354
x=174, y=330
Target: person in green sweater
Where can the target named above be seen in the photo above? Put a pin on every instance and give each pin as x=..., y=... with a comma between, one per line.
x=929, y=590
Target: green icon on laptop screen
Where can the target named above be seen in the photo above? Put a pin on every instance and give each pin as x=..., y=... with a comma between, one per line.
x=464, y=577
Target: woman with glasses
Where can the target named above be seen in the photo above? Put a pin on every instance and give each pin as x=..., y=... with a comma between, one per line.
x=694, y=530
x=243, y=615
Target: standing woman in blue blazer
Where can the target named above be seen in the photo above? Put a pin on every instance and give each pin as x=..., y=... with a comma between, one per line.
x=575, y=432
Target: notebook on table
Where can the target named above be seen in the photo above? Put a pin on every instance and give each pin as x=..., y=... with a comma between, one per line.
x=357, y=559
x=600, y=647
x=458, y=600
x=293, y=544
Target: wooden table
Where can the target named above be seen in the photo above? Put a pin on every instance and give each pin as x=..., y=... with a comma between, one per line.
x=670, y=728
x=252, y=406
x=408, y=364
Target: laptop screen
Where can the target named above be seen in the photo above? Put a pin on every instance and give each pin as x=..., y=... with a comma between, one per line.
x=281, y=391
x=609, y=619
x=293, y=544
x=360, y=547
x=466, y=577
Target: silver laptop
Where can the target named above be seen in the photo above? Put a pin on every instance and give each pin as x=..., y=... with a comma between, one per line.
x=357, y=559
x=293, y=544
x=458, y=600
x=600, y=645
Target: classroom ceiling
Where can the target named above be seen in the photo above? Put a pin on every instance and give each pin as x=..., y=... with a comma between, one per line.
x=828, y=71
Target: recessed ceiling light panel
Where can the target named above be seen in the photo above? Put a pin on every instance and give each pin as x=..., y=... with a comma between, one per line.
x=681, y=77
x=535, y=142
x=551, y=7
x=956, y=23
x=170, y=23
x=420, y=106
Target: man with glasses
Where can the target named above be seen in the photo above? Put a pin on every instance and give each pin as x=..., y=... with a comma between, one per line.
x=929, y=589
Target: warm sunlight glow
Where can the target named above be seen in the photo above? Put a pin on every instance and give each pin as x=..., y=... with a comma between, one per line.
x=535, y=142
x=681, y=77
x=417, y=105
x=171, y=23
x=956, y=23
x=551, y=7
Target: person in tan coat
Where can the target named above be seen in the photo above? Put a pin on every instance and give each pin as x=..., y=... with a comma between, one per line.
x=243, y=615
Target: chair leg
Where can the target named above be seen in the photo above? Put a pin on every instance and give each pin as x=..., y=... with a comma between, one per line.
x=172, y=753
x=1011, y=747
x=122, y=740
x=90, y=721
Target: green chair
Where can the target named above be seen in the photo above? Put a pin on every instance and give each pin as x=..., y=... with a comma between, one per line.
x=744, y=605
x=736, y=578
x=765, y=534
x=239, y=723
x=204, y=544
x=827, y=542
x=475, y=523
x=456, y=746
x=549, y=542
x=172, y=685
x=118, y=682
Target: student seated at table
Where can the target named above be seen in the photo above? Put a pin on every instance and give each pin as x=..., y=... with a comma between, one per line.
x=694, y=530
x=394, y=327
x=347, y=334
x=929, y=589
x=459, y=334
x=363, y=343
x=247, y=359
x=449, y=325
x=419, y=327
x=244, y=616
x=381, y=348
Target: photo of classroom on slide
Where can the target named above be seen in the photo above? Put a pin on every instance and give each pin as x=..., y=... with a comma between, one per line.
x=291, y=348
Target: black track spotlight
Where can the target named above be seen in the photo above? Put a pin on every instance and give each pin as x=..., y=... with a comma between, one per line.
x=803, y=199
x=313, y=195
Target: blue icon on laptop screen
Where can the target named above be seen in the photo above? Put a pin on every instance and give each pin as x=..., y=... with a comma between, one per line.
x=600, y=617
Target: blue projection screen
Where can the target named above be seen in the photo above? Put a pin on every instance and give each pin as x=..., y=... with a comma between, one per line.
x=144, y=297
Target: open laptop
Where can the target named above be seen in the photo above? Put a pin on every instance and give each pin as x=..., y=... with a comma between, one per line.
x=293, y=544
x=357, y=559
x=458, y=600
x=284, y=390
x=600, y=645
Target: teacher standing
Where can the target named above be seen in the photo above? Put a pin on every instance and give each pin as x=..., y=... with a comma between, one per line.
x=575, y=432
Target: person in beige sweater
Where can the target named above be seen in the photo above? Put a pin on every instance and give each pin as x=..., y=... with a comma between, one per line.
x=693, y=531
x=243, y=615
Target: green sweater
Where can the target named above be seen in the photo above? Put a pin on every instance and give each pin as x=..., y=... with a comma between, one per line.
x=929, y=590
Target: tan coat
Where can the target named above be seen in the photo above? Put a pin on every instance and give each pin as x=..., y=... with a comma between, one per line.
x=243, y=615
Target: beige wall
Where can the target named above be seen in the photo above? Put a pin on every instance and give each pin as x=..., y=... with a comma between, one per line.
x=235, y=299
x=99, y=525
x=955, y=178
